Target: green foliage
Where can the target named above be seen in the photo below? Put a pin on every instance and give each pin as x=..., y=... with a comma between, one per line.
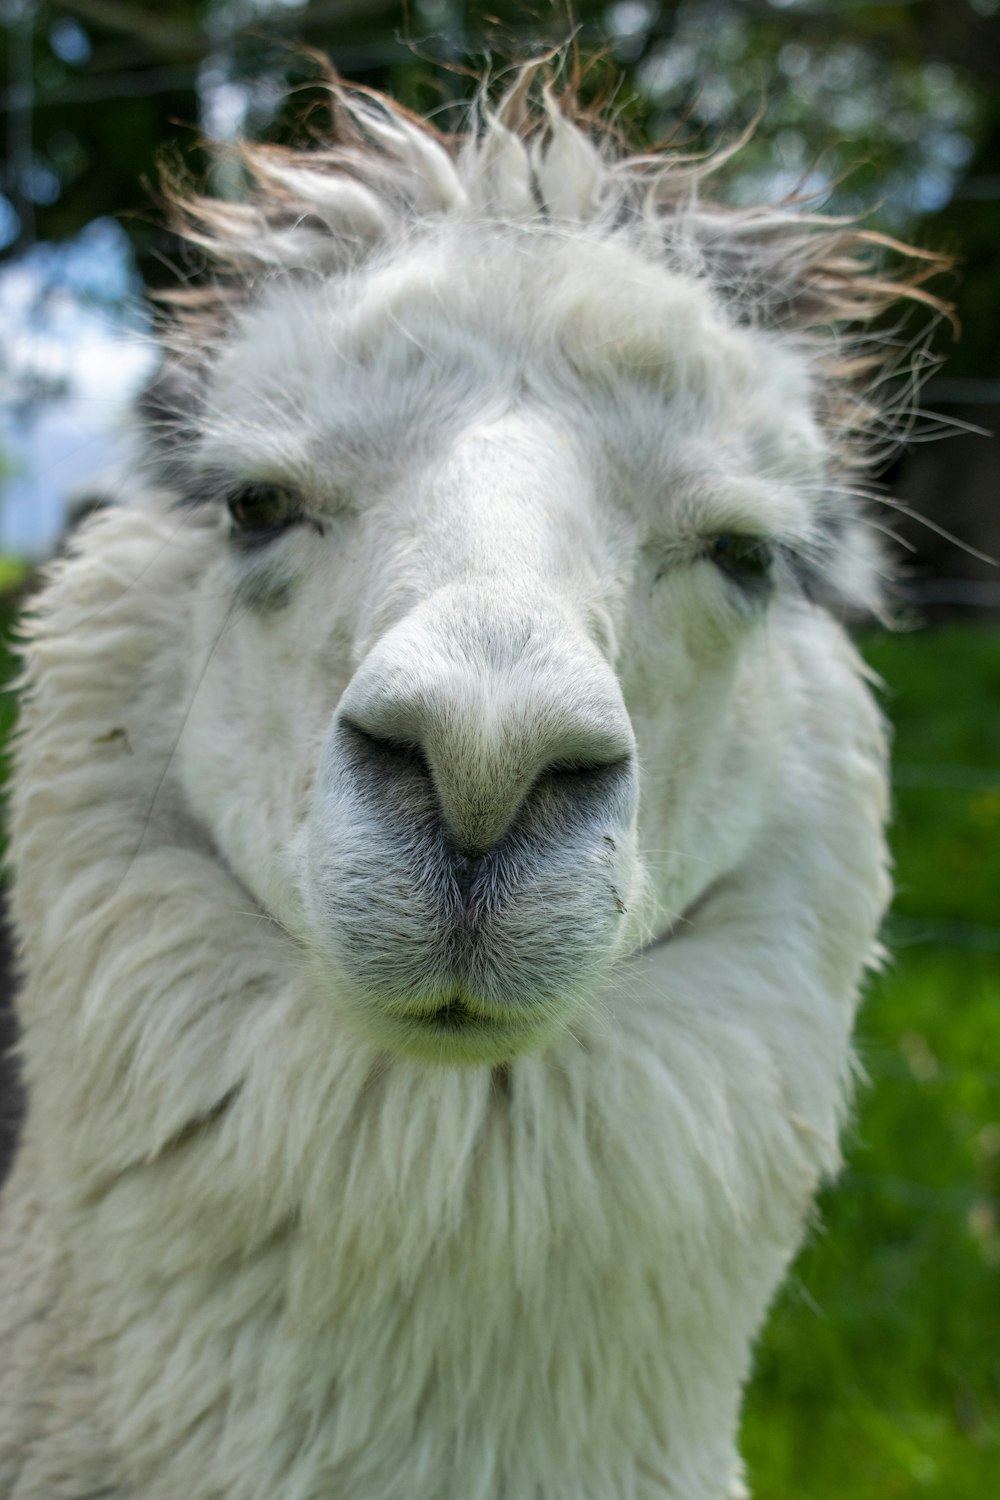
x=12, y=574
x=943, y=698
x=875, y=101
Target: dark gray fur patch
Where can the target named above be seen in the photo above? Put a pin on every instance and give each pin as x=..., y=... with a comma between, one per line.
x=169, y=409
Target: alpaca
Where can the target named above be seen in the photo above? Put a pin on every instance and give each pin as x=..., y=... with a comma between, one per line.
x=448, y=833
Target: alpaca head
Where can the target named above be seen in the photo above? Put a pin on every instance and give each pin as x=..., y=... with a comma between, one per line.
x=518, y=467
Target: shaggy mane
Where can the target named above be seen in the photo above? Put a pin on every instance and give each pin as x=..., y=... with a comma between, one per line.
x=539, y=158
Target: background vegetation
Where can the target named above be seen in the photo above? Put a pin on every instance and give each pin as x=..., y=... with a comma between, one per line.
x=880, y=1373
x=879, y=1376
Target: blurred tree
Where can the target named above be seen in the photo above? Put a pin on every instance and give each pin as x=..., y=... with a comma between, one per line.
x=903, y=91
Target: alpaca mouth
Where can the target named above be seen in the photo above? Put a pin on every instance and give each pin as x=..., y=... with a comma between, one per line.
x=456, y=1031
x=454, y=1015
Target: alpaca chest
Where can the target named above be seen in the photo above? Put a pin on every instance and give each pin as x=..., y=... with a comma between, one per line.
x=573, y=1325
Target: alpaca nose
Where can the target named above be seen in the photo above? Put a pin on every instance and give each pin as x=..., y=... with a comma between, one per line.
x=491, y=741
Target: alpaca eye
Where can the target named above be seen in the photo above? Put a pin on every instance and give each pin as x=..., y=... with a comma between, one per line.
x=746, y=559
x=260, y=511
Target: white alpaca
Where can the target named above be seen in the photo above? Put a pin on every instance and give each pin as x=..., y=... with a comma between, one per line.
x=448, y=841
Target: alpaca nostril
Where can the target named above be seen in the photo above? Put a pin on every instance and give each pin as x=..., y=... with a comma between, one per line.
x=393, y=753
x=570, y=794
x=580, y=787
x=584, y=772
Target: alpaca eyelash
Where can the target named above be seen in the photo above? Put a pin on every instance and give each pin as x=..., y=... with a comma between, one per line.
x=748, y=561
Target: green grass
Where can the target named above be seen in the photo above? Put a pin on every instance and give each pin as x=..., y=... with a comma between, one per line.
x=879, y=1375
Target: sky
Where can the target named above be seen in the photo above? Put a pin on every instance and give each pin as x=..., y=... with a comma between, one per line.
x=74, y=350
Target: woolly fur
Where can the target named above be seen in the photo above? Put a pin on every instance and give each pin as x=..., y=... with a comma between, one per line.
x=270, y=1233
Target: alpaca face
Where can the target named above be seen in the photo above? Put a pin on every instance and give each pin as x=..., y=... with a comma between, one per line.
x=504, y=532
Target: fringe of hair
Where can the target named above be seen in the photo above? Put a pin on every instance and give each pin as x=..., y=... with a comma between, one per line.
x=540, y=156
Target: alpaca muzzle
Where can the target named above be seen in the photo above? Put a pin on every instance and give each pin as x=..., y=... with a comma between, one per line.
x=470, y=851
